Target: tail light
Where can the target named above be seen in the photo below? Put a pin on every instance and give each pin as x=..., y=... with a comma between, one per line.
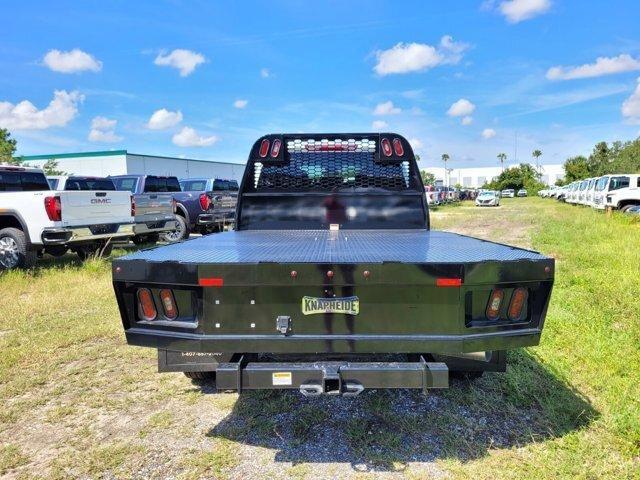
x=146, y=305
x=133, y=206
x=275, y=148
x=168, y=304
x=53, y=208
x=205, y=202
x=385, y=144
x=175, y=205
x=264, y=148
x=397, y=147
x=495, y=302
x=518, y=304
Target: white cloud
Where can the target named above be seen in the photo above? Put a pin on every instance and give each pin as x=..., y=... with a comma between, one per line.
x=468, y=120
x=25, y=116
x=631, y=106
x=518, y=10
x=461, y=108
x=73, y=61
x=188, y=137
x=416, y=144
x=163, y=119
x=379, y=125
x=415, y=57
x=602, y=66
x=103, y=130
x=488, y=133
x=184, y=60
x=265, y=73
x=240, y=103
x=386, y=108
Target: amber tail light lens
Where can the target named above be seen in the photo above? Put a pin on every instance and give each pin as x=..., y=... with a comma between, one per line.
x=518, y=305
x=146, y=306
x=168, y=304
x=495, y=303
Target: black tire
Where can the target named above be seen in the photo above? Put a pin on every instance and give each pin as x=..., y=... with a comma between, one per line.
x=626, y=208
x=179, y=234
x=201, y=376
x=149, y=239
x=13, y=250
x=139, y=239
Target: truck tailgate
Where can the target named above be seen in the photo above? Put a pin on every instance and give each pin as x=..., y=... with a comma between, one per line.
x=94, y=207
x=152, y=205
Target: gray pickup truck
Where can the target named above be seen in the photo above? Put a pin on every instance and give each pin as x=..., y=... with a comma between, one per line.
x=153, y=202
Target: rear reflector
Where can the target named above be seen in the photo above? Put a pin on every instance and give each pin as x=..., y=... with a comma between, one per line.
x=397, y=147
x=518, y=303
x=53, y=208
x=448, y=282
x=264, y=148
x=211, y=282
x=275, y=148
x=385, y=145
x=146, y=306
x=495, y=302
x=168, y=304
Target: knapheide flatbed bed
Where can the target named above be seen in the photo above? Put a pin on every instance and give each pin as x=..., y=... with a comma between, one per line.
x=333, y=281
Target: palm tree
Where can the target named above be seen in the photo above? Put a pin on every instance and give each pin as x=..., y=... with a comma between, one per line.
x=537, y=154
x=502, y=157
x=445, y=159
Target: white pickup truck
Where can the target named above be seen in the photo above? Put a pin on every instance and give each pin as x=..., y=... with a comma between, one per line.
x=36, y=220
x=617, y=191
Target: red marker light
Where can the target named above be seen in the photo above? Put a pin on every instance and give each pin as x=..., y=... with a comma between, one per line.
x=518, y=303
x=330, y=274
x=448, y=282
x=397, y=147
x=264, y=148
x=386, y=147
x=211, y=282
x=294, y=274
x=147, y=308
x=275, y=148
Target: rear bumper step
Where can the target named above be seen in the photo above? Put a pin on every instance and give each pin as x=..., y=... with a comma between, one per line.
x=331, y=377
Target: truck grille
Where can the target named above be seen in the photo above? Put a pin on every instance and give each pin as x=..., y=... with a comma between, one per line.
x=327, y=166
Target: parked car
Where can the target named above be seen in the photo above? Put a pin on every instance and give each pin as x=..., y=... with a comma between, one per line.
x=76, y=182
x=508, y=193
x=154, y=204
x=206, y=205
x=307, y=279
x=522, y=192
x=589, y=194
x=36, y=220
x=488, y=198
x=431, y=195
x=561, y=193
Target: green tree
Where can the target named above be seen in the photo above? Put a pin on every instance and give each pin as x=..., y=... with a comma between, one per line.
x=522, y=176
x=576, y=168
x=502, y=157
x=537, y=154
x=8, y=148
x=427, y=178
x=445, y=159
x=51, y=168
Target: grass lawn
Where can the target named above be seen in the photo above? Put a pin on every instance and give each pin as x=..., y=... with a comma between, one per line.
x=75, y=401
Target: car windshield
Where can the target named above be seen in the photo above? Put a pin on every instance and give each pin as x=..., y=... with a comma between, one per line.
x=601, y=184
x=80, y=183
x=16, y=181
x=126, y=183
x=618, y=183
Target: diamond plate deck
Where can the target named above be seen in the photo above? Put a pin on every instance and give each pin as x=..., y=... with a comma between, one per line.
x=331, y=247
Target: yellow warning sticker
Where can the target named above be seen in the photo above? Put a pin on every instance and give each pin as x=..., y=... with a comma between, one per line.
x=281, y=378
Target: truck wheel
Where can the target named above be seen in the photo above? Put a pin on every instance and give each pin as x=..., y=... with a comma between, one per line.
x=13, y=250
x=201, y=376
x=626, y=208
x=180, y=233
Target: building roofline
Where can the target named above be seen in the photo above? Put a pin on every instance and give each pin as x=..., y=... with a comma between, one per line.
x=107, y=153
x=101, y=153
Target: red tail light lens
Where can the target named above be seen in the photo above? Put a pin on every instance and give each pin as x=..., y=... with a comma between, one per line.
x=146, y=305
x=518, y=304
x=205, y=201
x=397, y=147
x=495, y=303
x=448, y=282
x=385, y=144
x=53, y=208
x=275, y=148
x=168, y=304
x=264, y=148
x=133, y=206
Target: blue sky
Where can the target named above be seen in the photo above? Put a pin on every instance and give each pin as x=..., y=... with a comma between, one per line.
x=462, y=77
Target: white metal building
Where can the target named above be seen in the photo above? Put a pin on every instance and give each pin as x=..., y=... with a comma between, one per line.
x=121, y=162
x=476, y=177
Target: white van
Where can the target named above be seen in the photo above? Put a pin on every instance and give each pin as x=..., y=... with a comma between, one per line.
x=617, y=191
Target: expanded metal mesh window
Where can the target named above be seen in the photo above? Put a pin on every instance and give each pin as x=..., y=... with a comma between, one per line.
x=327, y=166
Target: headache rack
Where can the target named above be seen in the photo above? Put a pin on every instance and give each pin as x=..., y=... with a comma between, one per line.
x=333, y=170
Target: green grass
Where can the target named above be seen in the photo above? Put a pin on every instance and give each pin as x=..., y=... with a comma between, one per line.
x=567, y=408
